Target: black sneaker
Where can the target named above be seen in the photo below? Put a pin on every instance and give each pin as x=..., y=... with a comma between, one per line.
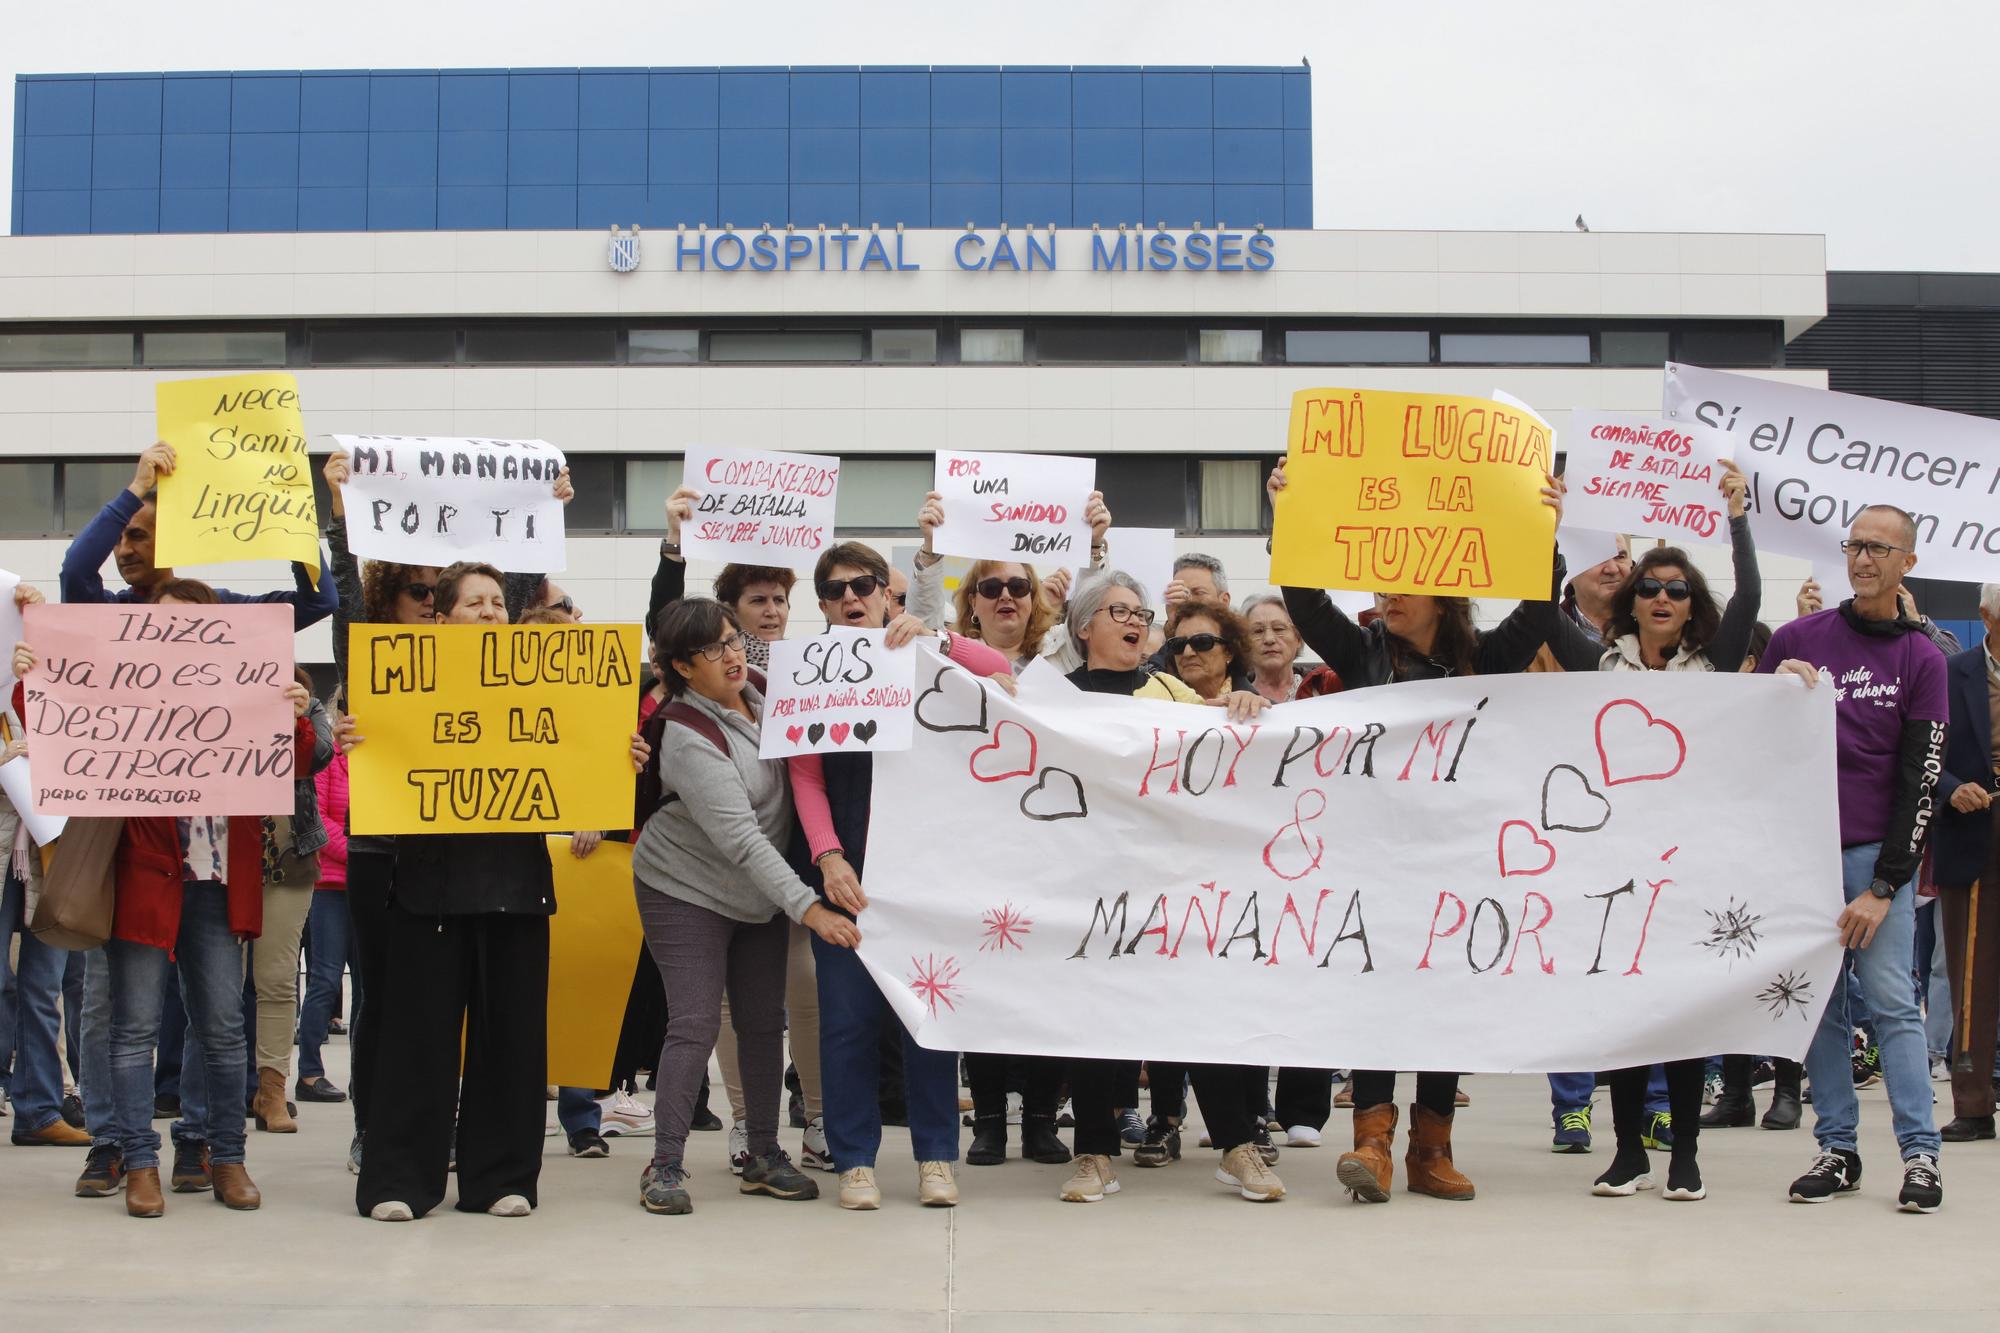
x=1262, y=1141
x=1868, y=1067
x=1923, y=1185
x=1836, y=1171
x=774, y=1174
x=72, y=1110
x=1162, y=1144
x=103, y=1172
x=1629, y=1172
x=1684, y=1181
x=795, y=1110
x=663, y=1188
x=191, y=1170
x=588, y=1143
x=705, y=1121
x=166, y=1106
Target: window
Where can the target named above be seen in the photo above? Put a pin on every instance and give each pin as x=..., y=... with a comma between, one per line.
x=1628, y=347
x=28, y=499
x=1096, y=343
x=790, y=345
x=1145, y=492
x=1515, y=349
x=1232, y=346
x=909, y=346
x=977, y=346
x=64, y=350
x=547, y=345
x=1730, y=345
x=253, y=347
x=383, y=347
x=882, y=492
x=664, y=347
x=87, y=487
x=648, y=483
x=1232, y=494
x=595, y=507
x=1358, y=347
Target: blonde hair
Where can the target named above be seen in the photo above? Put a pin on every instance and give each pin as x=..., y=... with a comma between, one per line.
x=1041, y=616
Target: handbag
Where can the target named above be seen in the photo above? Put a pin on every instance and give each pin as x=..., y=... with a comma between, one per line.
x=80, y=889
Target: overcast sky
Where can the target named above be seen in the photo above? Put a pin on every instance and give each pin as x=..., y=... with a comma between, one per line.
x=1870, y=123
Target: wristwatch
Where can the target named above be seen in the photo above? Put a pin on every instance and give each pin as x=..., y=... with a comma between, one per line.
x=1882, y=888
x=670, y=549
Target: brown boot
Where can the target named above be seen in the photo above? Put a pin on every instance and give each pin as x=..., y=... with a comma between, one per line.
x=1429, y=1158
x=269, y=1104
x=142, y=1193
x=234, y=1188
x=1369, y=1170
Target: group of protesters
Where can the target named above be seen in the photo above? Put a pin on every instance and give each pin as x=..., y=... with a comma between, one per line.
x=750, y=879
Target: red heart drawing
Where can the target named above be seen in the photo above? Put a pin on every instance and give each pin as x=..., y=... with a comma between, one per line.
x=1640, y=743
x=792, y=734
x=995, y=746
x=839, y=732
x=1548, y=850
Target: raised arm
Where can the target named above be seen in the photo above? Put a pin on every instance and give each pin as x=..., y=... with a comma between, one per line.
x=1739, y=618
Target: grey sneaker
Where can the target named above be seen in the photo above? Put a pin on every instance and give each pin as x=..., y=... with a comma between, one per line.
x=663, y=1188
x=354, y=1156
x=774, y=1174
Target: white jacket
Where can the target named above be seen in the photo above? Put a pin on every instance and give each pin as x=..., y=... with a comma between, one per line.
x=1624, y=655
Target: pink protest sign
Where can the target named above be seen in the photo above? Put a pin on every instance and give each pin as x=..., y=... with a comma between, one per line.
x=160, y=710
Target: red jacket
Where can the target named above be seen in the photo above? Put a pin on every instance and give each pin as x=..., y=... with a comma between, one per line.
x=150, y=874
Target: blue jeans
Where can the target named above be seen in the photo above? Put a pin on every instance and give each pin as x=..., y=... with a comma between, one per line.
x=211, y=967
x=327, y=931
x=94, y=1073
x=191, y=1127
x=577, y=1108
x=1883, y=969
x=1933, y=981
x=28, y=1024
x=851, y=1014
x=172, y=1053
x=1571, y=1092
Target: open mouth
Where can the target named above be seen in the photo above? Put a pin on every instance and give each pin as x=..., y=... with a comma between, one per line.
x=854, y=617
x=1661, y=613
x=1132, y=638
x=734, y=673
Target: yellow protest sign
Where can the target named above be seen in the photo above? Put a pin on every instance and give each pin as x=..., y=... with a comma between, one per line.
x=492, y=728
x=594, y=943
x=1414, y=493
x=241, y=488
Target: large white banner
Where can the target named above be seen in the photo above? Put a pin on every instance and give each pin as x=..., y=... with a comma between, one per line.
x=1815, y=459
x=1535, y=872
x=427, y=500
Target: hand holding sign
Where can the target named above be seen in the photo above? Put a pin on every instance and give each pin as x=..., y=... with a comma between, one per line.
x=1034, y=508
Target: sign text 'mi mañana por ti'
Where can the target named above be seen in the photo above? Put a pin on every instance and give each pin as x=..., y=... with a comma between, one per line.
x=972, y=251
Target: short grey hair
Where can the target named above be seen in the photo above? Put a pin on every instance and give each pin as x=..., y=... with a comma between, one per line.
x=1196, y=560
x=1989, y=598
x=1089, y=599
x=1257, y=599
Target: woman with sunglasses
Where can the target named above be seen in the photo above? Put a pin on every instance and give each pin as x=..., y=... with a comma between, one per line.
x=1415, y=637
x=1663, y=618
x=833, y=793
x=1207, y=648
x=1002, y=602
x=1108, y=620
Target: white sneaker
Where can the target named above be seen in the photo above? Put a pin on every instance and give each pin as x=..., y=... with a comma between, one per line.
x=625, y=1114
x=510, y=1205
x=1091, y=1180
x=1014, y=1104
x=551, y=1126
x=1205, y=1141
x=739, y=1147
x=857, y=1190
x=1940, y=1070
x=813, y=1152
x=392, y=1211
x=1302, y=1136
x=937, y=1187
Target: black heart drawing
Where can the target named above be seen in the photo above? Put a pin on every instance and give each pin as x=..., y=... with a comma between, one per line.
x=948, y=706
x=865, y=731
x=814, y=732
x=1568, y=806
x=1057, y=804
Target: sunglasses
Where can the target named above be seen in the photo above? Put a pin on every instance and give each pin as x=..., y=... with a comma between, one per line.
x=714, y=651
x=567, y=606
x=421, y=592
x=833, y=590
x=1648, y=588
x=1201, y=643
x=991, y=589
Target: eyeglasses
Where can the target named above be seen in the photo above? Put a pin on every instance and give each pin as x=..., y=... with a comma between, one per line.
x=567, y=606
x=714, y=651
x=1648, y=588
x=1124, y=614
x=1876, y=550
x=991, y=589
x=900, y=599
x=1201, y=643
x=833, y=590
x=421, y=592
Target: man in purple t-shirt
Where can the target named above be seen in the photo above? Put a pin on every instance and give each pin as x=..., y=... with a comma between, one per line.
x=1890, y=712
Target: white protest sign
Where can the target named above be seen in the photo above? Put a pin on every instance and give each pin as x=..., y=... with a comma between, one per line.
x=1527, y=873
x=431, y=500
x=1147, y=554
x=1025, y=507
x=17, y=780
x=758, y=507
x=843, y=691
x=1635, y=472
x=1815, y=459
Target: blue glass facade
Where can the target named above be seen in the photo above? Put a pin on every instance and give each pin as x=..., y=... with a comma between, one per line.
x=357, y=150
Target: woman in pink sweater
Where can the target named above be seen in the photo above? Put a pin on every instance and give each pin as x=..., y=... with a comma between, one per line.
x=326, y=938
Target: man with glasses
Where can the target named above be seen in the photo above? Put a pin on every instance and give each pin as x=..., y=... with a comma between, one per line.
x=1891, y=714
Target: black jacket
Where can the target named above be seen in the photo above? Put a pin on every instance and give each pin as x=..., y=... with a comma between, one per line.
x=463, y=874
x=1964, y=843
